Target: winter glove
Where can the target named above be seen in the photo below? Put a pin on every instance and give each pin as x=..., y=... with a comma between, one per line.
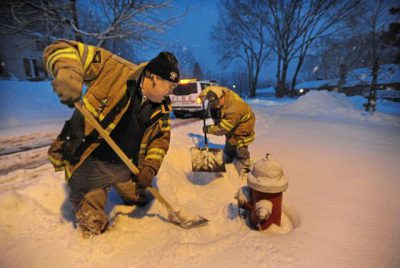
x=68, y=86
x=145, y=177
x=206, y=129
x=215, y=115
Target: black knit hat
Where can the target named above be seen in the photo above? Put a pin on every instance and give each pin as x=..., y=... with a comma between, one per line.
x=165, y=65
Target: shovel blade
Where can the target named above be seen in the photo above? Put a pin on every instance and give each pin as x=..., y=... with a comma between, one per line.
x=207, y=160
x=177, y=218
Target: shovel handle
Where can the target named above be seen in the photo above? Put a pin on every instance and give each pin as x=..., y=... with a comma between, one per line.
x=204, y=124
x=106, y=136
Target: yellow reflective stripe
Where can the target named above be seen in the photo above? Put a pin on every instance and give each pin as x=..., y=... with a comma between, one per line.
x=90, y=108
x=245, y=117
x=110, y=127
x=68, y=172
x=143, y=147
x=156, y=151
x=89, y=58
x=249, y=140
x=62, y=53
x=55, y=161
x=82, y=48
x=166, y=125
x=246, y=141
x=155, y=113
x=211, y=128
x=154, y=156
x=226, y=125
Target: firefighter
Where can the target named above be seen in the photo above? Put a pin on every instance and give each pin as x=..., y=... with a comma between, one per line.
x=233, y=118
x=131, y=103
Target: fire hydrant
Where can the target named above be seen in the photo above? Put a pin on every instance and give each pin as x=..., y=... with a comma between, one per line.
x=261, y=200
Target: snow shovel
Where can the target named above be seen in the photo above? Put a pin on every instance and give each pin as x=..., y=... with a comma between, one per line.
x=207, y=159
x=187, y=221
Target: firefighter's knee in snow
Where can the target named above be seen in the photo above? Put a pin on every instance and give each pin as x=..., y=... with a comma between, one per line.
x=91, y=222
x=262, y=199
x=243, y=153
x=90, y=216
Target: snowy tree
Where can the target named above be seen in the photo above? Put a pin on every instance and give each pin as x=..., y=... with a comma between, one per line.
x=391, y=37
x=375, y=17
x=295, y=26
x=103, y=19
x=197, y=71
x=185, y=58
x=241, y=34
x=351, y=47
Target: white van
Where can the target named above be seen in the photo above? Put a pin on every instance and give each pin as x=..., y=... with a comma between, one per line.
x=184, y=96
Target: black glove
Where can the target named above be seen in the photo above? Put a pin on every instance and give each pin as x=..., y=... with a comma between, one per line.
x=215, y=115
x=206, y=129
x=68, y=86
x=145, y=177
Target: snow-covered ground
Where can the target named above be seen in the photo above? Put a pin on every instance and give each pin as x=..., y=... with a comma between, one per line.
x=342, y=201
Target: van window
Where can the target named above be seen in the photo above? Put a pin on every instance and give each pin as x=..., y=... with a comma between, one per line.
x=185, y=89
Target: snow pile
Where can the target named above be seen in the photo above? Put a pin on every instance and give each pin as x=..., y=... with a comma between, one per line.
x=25, y=105
x=334, y=105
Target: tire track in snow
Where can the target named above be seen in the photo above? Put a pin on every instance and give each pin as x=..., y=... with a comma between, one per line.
x=30, y=151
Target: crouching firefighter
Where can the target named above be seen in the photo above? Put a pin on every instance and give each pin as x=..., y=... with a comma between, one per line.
x=131, y=103
x=233, y=118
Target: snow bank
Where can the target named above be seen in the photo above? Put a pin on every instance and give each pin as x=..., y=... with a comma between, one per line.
x=335, y=106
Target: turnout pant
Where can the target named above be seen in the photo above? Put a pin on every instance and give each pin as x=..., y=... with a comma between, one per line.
x=89, y=186
x=231, y=152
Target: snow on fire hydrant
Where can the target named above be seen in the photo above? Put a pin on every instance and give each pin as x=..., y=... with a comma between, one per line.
x=261, y=200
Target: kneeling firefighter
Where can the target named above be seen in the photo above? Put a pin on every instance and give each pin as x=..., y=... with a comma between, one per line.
x=233, y=118
x=131, y=103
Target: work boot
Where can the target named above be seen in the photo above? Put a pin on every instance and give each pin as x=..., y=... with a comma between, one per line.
x=91, y=218
x=131, y=195
x=243, y=168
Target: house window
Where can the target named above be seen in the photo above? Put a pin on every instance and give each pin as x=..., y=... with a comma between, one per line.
x=42, y=69
x=27, y=67
x=2, y=69
x=36, y=67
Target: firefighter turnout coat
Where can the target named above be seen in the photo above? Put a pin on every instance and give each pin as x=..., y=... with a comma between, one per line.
x=107, y=77
x=236, y=120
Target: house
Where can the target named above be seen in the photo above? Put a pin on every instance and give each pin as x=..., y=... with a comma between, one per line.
x=358, y=82
x=304, y=87
x=21, y=57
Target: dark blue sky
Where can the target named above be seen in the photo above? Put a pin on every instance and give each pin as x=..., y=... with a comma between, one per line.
x=193, y=31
